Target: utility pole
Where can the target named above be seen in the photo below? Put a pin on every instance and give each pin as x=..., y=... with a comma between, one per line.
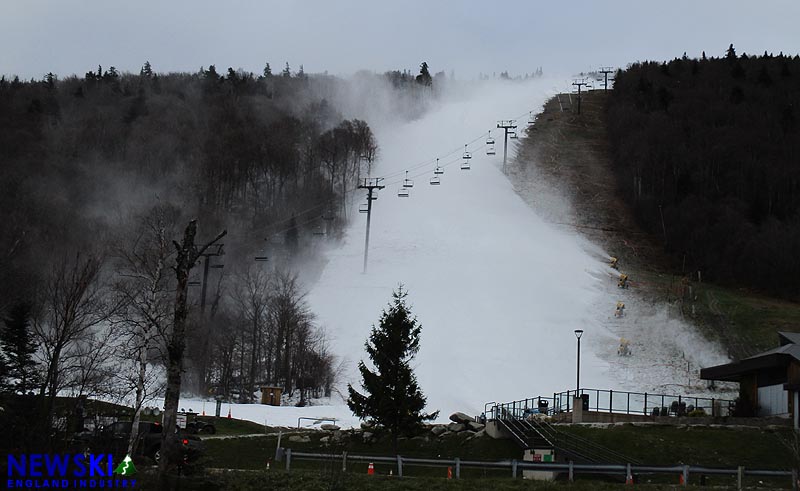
x=370, y=184
x=506, y=125
x=579, y=83
x=206, y=263
x=605, y=71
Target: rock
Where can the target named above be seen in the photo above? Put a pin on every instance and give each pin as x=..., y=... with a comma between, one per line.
x=479, y=434
x=367, y=436
x=367, y=425
x=329, y=427
x=461, y=418
x=300, y=439
x=438, y=430
x=420, y=438
x=475, y=426
x=456, y=427
x=325, y=439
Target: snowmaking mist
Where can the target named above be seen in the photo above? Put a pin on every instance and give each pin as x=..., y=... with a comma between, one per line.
x=498, y=291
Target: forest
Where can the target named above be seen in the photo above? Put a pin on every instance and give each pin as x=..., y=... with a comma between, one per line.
x=101, y=173
x=706, y=152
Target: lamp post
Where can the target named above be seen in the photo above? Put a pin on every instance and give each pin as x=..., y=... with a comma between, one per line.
x=578, y=334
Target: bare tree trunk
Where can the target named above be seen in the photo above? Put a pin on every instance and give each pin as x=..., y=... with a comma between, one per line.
x=187, y=257
x=137, y=414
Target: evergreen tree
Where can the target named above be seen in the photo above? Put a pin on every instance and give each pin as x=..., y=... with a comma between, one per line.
x=731, y=53
x=267, y=71
x=424, y=77
x=18, y=346
x=287, y=72
x=147, y=70
x=393, y=400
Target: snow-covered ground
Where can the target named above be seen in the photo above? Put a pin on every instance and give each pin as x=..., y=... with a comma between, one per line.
x=497, y=289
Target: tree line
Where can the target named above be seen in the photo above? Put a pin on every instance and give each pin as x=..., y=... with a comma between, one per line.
x=706, y=153
x=101, y=173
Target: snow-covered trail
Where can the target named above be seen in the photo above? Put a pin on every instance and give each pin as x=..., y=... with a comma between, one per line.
x=497, y=290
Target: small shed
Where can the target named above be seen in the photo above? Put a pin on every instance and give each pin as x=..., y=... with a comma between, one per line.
x=768, y=381
x=271, y=396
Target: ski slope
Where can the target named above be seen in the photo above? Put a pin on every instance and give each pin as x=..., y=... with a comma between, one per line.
x=497, y=290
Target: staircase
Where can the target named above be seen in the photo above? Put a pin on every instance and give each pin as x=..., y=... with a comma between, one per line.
x=540, y=434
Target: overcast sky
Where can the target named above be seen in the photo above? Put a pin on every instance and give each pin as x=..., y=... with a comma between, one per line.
x=342, y=36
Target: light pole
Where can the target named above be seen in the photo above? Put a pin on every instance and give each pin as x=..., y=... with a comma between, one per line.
x=578, y=334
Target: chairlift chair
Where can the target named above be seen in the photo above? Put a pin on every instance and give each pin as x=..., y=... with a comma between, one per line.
x=402, y=192
x=465, y=165
x=435, y=181
x=531, y=119
x=490, y=150
x=408, y=183
x=363, y=208
x=438, y=170
x=512, y=135
x=490, y=140
x=467, y=155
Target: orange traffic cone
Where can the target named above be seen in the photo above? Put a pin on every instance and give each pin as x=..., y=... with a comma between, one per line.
x=370, y=469
x=449, y=472
x=204, y=409
x=229, y=412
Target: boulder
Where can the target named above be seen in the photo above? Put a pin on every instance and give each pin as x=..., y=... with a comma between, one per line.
x=475, y=426
x=477, y=434
x=300, y=439
x=325, y=439
x=329, y=427
x=367, y=425
x=438, y=430
x=458, y=417
x=456, y=427
x=367, y=436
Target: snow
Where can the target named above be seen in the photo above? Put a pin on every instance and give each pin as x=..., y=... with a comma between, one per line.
x=497, y=289
x=286, y=416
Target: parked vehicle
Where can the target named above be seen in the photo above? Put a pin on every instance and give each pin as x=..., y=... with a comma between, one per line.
x=114, y=439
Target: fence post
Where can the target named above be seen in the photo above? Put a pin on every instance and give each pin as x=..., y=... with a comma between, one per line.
x=645, y=404
x=399, y=466
x=288, y=459
x=344, y=461
x=571, y=472
x=685, y=475
x=610, y=401
x=458, y=468
x=739, y=476
x=628, y=409
x=514, y=468
x=794, y=480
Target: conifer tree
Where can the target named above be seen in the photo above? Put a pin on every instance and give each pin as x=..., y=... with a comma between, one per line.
x=18, y=346
x=392, y=400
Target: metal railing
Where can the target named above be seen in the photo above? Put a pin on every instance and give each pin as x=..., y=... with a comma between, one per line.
x=624, y=471
x=611, y=401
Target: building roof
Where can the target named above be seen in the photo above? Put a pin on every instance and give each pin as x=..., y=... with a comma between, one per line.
x=778, y=357
x=789, y=338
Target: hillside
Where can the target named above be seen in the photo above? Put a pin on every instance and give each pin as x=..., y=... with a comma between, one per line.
x=574, y=158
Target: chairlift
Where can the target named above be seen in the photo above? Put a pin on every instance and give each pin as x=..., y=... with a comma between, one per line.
x=408, y=183
x=438, y=170
x=467, y=155
x=465, y=165
x=402, y=192
x=435, y=181
x=512, y=135
x=490, y=150
x=320, y=230
x=363, y=208
x=490, y=140
x=531, y=119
